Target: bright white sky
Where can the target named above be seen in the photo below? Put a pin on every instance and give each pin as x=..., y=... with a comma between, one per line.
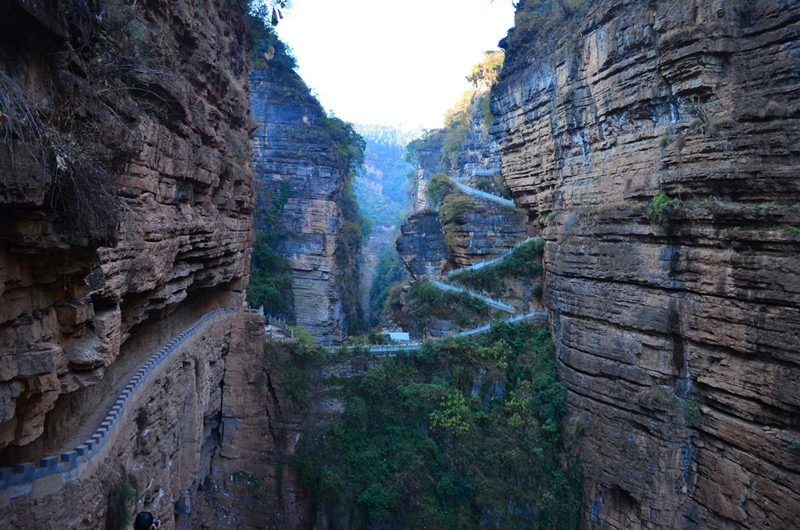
x=392, y=62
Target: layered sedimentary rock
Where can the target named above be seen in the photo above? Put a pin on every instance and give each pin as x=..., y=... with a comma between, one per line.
x=154, y=448
x=484, y=232
x=675, y=317
x=292, y=149
x=480, y=230
x=421, y=244
x=126, y=200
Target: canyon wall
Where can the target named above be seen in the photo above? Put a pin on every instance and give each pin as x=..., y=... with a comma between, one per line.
x=249, y=481
x=293, y=148
x=162, y=446
x=126, y=201
x=656, y=147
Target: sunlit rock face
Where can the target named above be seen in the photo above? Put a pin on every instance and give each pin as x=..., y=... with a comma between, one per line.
x=676, y=331
x=291, y=149
x=123, y=195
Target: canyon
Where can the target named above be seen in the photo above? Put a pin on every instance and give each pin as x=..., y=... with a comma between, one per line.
x=654, y=146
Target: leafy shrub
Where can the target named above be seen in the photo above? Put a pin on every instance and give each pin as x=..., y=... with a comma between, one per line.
x=455, y=131
x=489, y=69
x=454, y=207
x=424, y=292
x=270, y=277
x=523, y=262
x=658, y=398
x=452, y=414
x=293, y=364
x=120, y=498
x=694, y=414
x=439, y=187
x=660, y=208
x=389, y=272
x=425, y=300
x=268, y=51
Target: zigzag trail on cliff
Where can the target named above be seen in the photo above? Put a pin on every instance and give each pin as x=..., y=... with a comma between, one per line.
x=518, y=315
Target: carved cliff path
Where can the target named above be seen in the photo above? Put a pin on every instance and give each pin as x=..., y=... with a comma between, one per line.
x=497, y=304
x=484, y=195
x=89, y=437
x=488, y=262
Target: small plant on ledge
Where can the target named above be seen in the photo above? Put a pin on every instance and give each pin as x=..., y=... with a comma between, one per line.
x=660, y=208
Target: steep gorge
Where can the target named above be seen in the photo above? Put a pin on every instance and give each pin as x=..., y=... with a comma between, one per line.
x=675, y=316
x=437, y=237
x=640, y=139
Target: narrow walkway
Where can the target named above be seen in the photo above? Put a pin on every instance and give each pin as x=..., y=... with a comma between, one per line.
x=394, y=349
x=489, y=262
x=489, y=301
x=21, y=478
x=487, y=172
x=518, y=318
x=482, y=194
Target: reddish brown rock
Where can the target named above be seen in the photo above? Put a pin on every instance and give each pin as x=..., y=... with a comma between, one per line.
x=250, y=482
x=675, y=336
x=121, y=196
x=158, y=446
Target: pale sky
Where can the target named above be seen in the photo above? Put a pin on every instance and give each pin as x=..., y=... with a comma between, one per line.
x=392, y=62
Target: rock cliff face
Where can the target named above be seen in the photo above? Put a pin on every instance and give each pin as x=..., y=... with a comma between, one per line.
x=126, y=200
x=124, y=191
x=162, y=446
x=676, y=328
x=292, y=148
x=421, y=244
x=248, y=481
